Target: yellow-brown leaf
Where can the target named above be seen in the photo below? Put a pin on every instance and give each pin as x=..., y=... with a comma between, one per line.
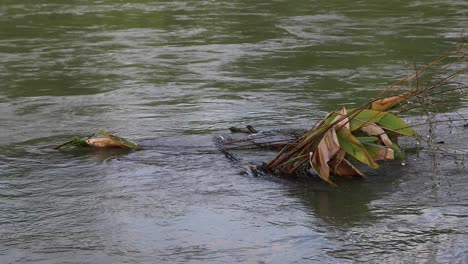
x=349, y=143
x=375, y=130
x=345, y=168
x=325, y=150
x=103, y=143
x=384, y=153
x=386, y=103
x=343, y=116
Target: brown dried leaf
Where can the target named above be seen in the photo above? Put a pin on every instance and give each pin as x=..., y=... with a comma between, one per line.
x=104, y=142
x=379, y=152
x=384, y=153
x=345, y=168
x=375, y=130
x=386, y=103
x=325, y=151
x=344, y=122
x=339, y=157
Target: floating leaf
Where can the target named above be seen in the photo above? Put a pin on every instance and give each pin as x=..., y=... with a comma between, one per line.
x=345, y=168
x=385, y=119
x=103, y=142
x=365, y=117
x=338, y=158
x=398, y=154
x=395, y=124
x=368, y=139
x=109, y=141
x=354, y=147
x=379, y=152
x=122, y=141
x=375, y=130
x=79, y=142
x=326, y=149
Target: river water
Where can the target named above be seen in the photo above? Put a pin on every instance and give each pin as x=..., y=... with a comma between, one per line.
x=173, y=74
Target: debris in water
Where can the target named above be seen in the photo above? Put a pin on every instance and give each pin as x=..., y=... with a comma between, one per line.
x=366, y=134
x=104, y=139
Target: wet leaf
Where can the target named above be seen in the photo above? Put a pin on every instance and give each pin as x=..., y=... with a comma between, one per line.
x=325, y=150
x=122, y=141
x=345, y=168
x=79, y=142
x=375, y=130
x=379, y=152
x=368, y=139
x=109, y=141
x=387, y=120
x=395, y=124
x=397, y=153
x=365, y=117
x=339, y=157
x=342, y=167
x=354, y=147
x=103, y=142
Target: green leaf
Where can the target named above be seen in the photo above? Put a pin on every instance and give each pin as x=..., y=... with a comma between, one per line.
x=372, y=149
x=79, y=142
x=387, y=120
x=351, y=145
x=379, y=152
x=329, y=119
x=365, y=117
x=368, y=139
x=397, y=152
x=395, y=124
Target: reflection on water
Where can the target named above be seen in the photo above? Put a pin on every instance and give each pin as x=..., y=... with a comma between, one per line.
x=173, y=74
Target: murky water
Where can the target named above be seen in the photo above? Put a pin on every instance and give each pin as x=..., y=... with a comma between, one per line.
x=171, y=75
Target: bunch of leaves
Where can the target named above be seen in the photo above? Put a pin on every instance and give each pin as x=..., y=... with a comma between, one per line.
x=369, y=133
x=101, y=139
x=79, y=142
x=120, y=141
x=364, y=135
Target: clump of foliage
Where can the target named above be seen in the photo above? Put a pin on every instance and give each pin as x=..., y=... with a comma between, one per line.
x=101, y=139
x=369, y=133
x=366, y=135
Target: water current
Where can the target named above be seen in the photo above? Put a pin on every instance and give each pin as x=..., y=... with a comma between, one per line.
x=173, y=74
